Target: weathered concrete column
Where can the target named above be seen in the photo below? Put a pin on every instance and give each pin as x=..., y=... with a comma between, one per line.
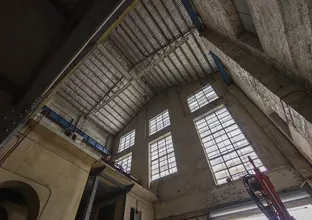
x=219, y=15
x=269, y=90
x=285, y=32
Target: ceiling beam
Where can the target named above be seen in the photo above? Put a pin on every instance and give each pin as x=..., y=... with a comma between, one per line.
x=105, y=97
x=143, y=68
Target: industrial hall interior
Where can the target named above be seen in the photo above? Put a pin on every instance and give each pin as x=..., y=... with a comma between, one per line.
x=156, y=110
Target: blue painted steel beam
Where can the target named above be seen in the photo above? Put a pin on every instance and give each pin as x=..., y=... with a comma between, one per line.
x=225, y=75
x=189, y=8
x=53, y=116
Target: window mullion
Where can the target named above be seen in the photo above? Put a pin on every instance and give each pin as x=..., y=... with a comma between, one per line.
x=157, y=123
x=231, y=142
x=162, y=158
x=221, y=155
x=196, y=101
x=126, y=141
x=232, y=152
x=234, y=147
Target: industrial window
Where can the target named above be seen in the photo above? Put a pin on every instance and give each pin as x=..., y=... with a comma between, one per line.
x=162, y=159
x=201, y=98
x=225, y=146
x=125, y=162
x=159, y=122
x=126, y=141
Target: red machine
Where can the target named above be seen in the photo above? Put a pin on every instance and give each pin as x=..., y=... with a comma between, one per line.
x=262, y=192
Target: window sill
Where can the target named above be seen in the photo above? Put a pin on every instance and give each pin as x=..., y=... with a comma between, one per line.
x=165, y=178
x=237, y=180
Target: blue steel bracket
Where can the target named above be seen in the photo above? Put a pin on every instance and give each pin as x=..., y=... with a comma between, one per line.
x=225, y=75
x=189, y=8
x=59, y=120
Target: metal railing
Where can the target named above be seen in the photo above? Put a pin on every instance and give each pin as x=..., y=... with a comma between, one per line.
x=59, y=120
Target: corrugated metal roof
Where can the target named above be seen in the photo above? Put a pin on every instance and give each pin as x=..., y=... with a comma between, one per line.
x=155, y=47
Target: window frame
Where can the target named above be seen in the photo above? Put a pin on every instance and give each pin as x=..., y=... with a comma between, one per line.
x=163, y=137
x=220, y=155
x=205, y=97
x=123, y=158
x=163, y=119
x=125, y=136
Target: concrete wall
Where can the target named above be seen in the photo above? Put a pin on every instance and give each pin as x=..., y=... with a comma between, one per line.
x=146, y=208
x=231, y=18
x=270, y=91
x=285, y=33
x=203, y=199
x=63, y=108
x=55, y=168
x=219, y=15
x=192, y=188
x=283, y=28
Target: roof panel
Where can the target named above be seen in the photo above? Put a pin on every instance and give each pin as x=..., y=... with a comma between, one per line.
x=93, y=77
x=167, y=72
x=106, y=117
x=109, y=76
x=132, y=42
x=115, y=115
x=84, y=87
x=122, y=45
x=140, y=32
x=143, y=88
x=114, y=63
x=156, y=32
x=74, y=97
x=107, y=123
x=98, y=73
x=132, y=104
x=178, y=63
x=68, y=98
x=178, y=76
x=159, y=20
x=96, y=92
x=126, y=107
x=154, y=48
x=175, y=14
x=167, y=19
x=117, y=54
x=96, y=119
x=79, y=74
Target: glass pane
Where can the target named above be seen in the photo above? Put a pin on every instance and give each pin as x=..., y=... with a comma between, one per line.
x=159, y=122
x=201, y=98
x=225, y=145
x=162, y=158
x=126, y=141
x=125, y=163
